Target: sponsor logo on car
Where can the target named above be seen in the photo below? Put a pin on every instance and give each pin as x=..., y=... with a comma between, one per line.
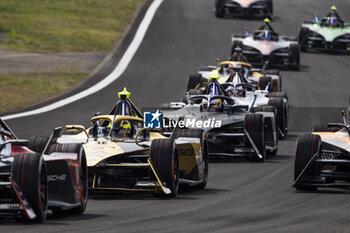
x=57, y=177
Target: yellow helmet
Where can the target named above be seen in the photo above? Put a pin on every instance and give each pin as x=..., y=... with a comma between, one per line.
x=266, y=20
x=125, y=125
x=333, y=8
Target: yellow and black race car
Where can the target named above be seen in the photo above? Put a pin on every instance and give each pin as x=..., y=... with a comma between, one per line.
x=322, y=159
x=225, y=69
x=124, y=156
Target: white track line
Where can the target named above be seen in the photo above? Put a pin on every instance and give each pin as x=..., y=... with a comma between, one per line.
x=116, y=73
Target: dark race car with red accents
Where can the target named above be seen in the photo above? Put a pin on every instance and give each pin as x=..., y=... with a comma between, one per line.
x=248, y=8
x=37, y=175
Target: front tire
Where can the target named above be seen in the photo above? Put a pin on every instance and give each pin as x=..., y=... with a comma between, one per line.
x=307, y=146
x=254, y=125
x=29, y=172
x=165, y=161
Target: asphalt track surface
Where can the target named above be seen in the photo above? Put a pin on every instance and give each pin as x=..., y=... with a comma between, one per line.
x=241, y=196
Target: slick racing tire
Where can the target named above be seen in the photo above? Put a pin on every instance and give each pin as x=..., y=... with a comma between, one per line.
x=295, y=56
x=274, y=110
x=277, y=83
x=323, y=128
x=281, y=94
x=165, y=161
x=193, y=81
x=269, y=7
x=192, y=92
x=282, y=113
x=83, y=174
x=37, y=143
x=254, y=125
x=29, y=172
x=307, y=146
x=184, y=100
x=347, y=115
x=303, y=34
x=264, y=81
x=220, y=8
x=235, y=44
x=197, y=133
x=195, y=92
x=273, y=72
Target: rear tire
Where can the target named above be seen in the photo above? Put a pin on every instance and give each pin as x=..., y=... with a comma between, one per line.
x=165, y=161
x=269, y=7
x=264, y=81
x=235, y=44
x=254, y=125
x=307, y=146
x=83, y=173
x=295, y=55
x=37, y=143
x=220, y=8
x=281, y=116
x=193, y=81
x=303, y=34
x=29, y=172
x=281, y=94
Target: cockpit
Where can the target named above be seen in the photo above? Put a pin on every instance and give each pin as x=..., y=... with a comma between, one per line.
x=265, y=35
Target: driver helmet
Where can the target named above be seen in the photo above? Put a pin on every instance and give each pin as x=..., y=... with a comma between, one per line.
x=228, y=68
x=267, y=21
x=214, y=104
x=265, y=35
x=240, y=92
x=331, y=21
x=122, y=129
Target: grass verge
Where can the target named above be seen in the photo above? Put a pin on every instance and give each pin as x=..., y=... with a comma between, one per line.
x=51, y=26
x=63, y=25
x=25, y=89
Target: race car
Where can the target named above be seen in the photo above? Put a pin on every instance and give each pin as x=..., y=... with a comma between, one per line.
x=258, y=77
x=32, y=182
x=252, y=8
x=265, y=45
x=232, y=130
x=123, y=156
x=244, y=93
x=328, y=34
x=322, y=159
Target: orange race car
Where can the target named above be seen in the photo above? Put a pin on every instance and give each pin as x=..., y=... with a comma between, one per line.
x=322, y=159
